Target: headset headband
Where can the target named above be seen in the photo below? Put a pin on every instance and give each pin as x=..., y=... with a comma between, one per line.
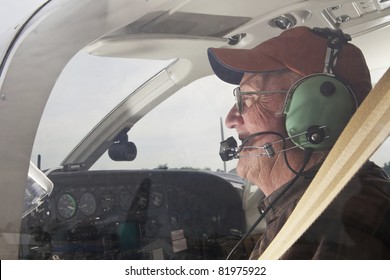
x=336, y=39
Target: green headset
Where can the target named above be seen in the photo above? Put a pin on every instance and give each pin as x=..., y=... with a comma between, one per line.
x=319, y=106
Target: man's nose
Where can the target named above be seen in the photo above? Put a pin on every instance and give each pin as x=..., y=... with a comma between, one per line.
x=233, y=118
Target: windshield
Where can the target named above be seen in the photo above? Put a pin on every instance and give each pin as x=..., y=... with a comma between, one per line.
x=88, y=89
x=184, y=131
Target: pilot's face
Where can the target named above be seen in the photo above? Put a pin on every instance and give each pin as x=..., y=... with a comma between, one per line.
x=260, y=112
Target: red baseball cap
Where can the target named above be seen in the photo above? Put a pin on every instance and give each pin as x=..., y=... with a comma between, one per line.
x=299, y=49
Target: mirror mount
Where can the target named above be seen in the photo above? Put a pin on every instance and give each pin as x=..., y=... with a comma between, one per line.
x=122, y=149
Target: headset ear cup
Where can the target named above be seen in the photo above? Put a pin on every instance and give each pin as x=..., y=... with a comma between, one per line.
x=317, y=109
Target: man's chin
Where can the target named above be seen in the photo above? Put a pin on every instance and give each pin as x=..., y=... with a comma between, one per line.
x=242, y=167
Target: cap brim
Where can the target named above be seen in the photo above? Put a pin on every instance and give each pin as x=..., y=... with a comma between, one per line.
x=231, y=64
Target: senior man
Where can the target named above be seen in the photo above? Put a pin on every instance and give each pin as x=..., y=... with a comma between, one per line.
x=296, y=92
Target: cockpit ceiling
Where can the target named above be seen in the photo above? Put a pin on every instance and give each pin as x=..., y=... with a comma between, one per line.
x=199, y=23
x=183, y=23
x=168, y=34
x=358, y=16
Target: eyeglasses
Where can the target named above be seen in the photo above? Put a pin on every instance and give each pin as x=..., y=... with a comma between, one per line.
x=239, y=100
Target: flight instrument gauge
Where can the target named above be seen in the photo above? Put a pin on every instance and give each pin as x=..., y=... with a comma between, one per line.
x=87, y=203
x=66, y=206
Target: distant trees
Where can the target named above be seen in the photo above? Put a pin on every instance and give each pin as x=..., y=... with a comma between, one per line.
x=164, y=166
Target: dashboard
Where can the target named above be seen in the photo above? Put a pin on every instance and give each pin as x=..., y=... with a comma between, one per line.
x=147, y=214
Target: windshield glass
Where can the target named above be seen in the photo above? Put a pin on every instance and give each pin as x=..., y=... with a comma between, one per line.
x=87, y=90
x=184, y=131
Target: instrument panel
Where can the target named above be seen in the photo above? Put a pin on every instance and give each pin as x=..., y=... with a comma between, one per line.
x=134, y=215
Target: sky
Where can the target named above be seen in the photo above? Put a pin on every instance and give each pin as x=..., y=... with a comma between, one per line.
x=204, y=137
x=13, y=12
x=176, y=127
